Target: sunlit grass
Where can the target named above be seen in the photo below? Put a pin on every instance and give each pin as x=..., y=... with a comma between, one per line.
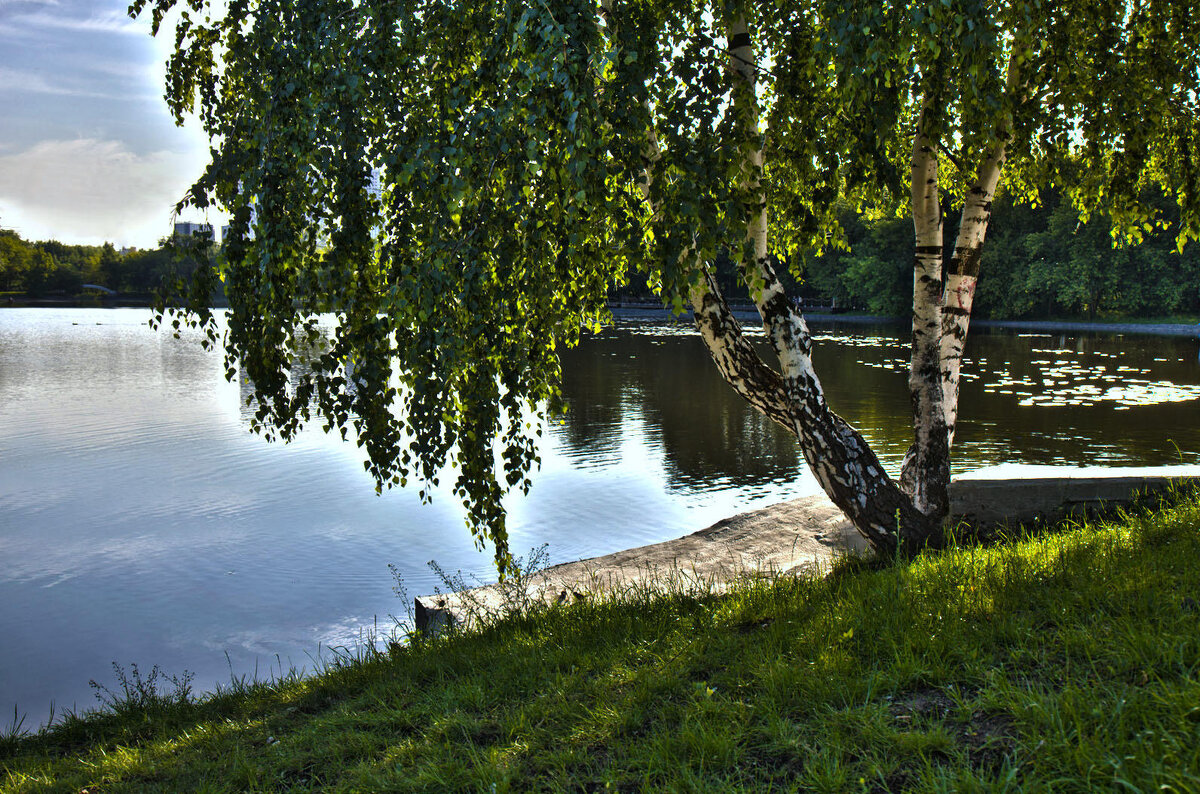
x=1066, y=661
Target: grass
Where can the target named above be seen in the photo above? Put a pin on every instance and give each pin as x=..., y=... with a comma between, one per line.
x=1066, y=661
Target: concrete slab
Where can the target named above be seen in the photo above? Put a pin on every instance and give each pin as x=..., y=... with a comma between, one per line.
x=1017, y=493
x=797, y=536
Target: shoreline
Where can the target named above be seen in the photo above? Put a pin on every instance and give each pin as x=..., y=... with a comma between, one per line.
x=798, y=536
x=1057, y=661
x=1060, y=326
x=743, y=313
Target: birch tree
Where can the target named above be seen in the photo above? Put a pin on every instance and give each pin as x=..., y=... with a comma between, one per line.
x=533, y=155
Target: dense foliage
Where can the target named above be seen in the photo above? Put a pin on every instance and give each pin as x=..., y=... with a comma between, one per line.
x=1040, y=262
x=532, y=156
x=1044, y=262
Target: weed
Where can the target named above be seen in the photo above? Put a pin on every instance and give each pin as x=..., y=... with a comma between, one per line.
x=141, y=694
x=13, y=732
x=516, y=594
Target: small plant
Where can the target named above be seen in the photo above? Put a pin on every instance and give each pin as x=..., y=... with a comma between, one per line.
x=515, y=588
x=13, y=732
x=406, y=627
x=516, y=592
x=138, y=693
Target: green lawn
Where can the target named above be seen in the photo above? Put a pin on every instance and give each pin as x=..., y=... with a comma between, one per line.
x=1063, y=662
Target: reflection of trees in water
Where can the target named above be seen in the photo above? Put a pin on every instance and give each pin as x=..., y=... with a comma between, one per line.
x=865, y=377
x=665, y=388
x=667, y=385
x=596, y=376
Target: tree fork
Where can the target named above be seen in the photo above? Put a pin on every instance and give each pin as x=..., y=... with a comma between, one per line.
x=839, y=457
x=842, y=461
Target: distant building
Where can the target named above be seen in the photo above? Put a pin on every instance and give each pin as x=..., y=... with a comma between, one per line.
x=225, y=233
x=187, y=228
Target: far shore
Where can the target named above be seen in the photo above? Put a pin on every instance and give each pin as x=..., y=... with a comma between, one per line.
x=649, y=311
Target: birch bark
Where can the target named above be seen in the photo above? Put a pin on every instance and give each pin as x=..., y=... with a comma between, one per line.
x=842, y=461
x=962, y=272
x=926, y=472
x=840, y=458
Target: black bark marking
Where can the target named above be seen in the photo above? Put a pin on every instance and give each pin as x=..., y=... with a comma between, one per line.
x=966, y=261
x=971, y=261
x=848, y=470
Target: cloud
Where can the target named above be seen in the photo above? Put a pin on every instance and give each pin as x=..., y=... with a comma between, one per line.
x=111, y=21
x=128, y=68
x=91, y=191
x=23, y=81
x=8, y=4
x=20, y=80
x=76, y=50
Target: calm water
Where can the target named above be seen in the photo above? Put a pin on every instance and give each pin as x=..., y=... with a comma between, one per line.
x=141, y=522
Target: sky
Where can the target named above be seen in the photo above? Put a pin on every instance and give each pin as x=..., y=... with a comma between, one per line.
x=88, y=151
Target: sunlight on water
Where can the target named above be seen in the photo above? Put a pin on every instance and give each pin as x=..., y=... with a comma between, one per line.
x=1132, y=393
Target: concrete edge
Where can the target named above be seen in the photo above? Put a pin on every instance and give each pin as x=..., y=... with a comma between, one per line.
x=799, y=536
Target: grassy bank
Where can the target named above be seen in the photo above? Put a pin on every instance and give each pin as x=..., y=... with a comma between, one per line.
x=1068, y=662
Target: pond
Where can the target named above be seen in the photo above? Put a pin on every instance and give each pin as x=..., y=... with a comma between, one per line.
x=141, y=522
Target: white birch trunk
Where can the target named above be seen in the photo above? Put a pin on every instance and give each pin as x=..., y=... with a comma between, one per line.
x=838, y=456
x=926, y=472
x=963, y=270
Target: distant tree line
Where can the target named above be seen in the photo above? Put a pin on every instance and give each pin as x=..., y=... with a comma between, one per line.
x=1040, y=262
x=49, y=267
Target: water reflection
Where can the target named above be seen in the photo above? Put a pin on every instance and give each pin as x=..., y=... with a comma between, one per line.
x=663, y=388
x=1081, y=400
x=140, y=521
x=1025, y=397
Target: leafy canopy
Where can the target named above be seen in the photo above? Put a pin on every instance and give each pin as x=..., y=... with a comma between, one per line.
x=509, y=139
